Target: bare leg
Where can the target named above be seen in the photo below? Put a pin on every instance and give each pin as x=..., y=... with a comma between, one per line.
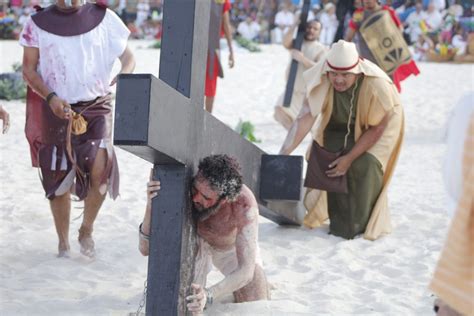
x=209, y=102
x=61, y=209
x=92, y=204
x=443, y=309
x=256, y=290
x=282, y=117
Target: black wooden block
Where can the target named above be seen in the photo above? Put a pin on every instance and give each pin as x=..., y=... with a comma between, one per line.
x=281, y=177
x=132, y=109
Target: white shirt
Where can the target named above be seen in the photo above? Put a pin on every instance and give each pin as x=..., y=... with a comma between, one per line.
x=329, y=21
x=310, y=17
x=329, y=24
x=248, y=31
x=439, y=4
x=434, y=20
x=459, y=43
x=413, y=21
x=78, y=68
x=283, y=18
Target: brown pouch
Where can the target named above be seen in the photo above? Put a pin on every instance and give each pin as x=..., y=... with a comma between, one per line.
x=318, y=162
x=79, y=124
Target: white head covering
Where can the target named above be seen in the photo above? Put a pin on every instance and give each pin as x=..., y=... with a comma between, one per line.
x=342, y=57
x=328, y=6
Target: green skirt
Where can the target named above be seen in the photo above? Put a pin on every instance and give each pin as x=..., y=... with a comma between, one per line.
x=349, y=212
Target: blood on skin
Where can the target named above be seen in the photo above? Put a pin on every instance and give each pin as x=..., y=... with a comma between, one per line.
x=220, y=229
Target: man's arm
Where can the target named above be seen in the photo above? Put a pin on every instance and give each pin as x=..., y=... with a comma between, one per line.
x=350, y=34
x=30, y=63
x=228, y=36
x=127, y=60
x=288, y=37
x=367, y=140
x=298, y=130
x=302, y=59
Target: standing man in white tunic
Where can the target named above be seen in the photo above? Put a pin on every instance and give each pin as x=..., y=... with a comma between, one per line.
x=69, y=52
x=311, y=52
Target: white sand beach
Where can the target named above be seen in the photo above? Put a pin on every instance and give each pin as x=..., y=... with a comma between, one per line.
x=313, y=273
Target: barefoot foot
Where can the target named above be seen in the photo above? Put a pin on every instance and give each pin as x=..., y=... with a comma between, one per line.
x=63, y=250
x=86, y=242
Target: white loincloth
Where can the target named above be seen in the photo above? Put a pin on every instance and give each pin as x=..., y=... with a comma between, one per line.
x=225, y=261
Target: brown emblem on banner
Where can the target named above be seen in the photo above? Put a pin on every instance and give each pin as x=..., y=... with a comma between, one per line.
x=385, y=41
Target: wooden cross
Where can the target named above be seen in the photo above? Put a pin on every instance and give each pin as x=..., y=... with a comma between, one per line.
x=163, y=121
x=297, y=44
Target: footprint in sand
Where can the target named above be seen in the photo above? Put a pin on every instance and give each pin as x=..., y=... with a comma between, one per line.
x=391, y=272
x=282, y=260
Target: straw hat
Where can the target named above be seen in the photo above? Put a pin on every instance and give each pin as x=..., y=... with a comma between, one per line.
x=343, y=56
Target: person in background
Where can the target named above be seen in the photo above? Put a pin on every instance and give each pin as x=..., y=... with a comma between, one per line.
x=312, y=51
x=284, y=19
x=249, y=29
x=219, y=25
x=329, y=24
x=413, y=22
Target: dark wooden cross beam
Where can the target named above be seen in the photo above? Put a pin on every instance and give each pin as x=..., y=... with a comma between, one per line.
x=297, y=43
x=163, y=121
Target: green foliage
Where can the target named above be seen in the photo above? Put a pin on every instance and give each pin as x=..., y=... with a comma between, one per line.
x=157, y=44
x=12, y=86
x=246, y=130
x=17, y=67
x=248, y=44
x=12, y=90
x=7, y=28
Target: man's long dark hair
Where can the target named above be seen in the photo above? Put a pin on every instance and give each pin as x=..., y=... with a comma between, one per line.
x=223, y=174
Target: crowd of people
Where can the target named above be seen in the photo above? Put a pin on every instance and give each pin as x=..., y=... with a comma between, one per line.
x=433, y=28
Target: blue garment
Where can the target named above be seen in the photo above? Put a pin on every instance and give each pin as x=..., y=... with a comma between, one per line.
x=404, y=15
x=299, y=3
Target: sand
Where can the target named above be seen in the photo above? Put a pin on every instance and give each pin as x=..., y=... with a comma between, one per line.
x=313, y=273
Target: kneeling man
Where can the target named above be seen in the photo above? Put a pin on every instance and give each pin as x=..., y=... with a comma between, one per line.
x=227, y=226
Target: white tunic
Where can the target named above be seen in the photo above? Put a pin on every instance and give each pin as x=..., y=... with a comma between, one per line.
x=78, y=68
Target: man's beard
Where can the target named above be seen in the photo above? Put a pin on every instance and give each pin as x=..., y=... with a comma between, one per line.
x=201, y=214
